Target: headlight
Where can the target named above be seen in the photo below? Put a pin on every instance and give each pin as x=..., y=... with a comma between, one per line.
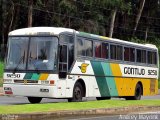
x=45, y=82
x=7, y=81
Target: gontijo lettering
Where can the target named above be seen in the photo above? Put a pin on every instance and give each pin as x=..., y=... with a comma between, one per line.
x=138, y=71
x=134, y=71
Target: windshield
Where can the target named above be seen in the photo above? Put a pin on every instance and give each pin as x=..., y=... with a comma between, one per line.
x=42, y=53
x=17, y=52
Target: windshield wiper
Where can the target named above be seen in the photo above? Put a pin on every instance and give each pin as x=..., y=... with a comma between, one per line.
x=19, y=62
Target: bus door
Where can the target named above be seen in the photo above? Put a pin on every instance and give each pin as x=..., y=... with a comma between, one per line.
x=63, y=65
x=63, y=61
x=66, y=58
x=66, y=54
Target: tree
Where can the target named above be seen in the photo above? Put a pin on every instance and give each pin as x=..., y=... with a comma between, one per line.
x=116, y=5
x=30, y=12
x=142, y=2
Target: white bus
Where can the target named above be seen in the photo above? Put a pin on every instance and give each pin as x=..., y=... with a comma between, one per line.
x=50, y=62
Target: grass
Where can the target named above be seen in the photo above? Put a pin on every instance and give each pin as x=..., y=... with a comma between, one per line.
x=1, y=72
x=49, y=107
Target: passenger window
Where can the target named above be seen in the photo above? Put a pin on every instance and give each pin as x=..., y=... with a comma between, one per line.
x=132, y=55
x=139, y=55
x=113, y=51
x=155, y=58
x=149, y=56
x=88, y=48
x=104, y=50
x=126, y=54
x=119, y=53
x=143, y=56
x=80, y=47
x=152, y=57
x=84, y=47
x=97, y=46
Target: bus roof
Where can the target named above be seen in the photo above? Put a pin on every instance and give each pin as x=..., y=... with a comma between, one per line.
x=58, y=30
x=116, y=40
x=40, y=31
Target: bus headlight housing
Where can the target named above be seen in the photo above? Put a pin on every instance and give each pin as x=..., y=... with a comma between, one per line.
x=7, y=81
x=45, y=82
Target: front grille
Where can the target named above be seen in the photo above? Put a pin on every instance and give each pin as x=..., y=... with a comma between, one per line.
x=25, y=81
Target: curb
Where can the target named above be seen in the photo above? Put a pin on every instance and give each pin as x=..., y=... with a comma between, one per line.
x=69, y=113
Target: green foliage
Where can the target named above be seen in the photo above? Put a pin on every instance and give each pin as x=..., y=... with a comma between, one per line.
x=1, y=72
x=136, y=40
x=1, y=69
x=1, y=82
x=117, y=4
x=31, y=108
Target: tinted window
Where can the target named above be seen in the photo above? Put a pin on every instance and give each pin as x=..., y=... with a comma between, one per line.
x=80, y=47
x=132, y=55
x=143, y=56
x=113, y=51
x=71, y=55
x=97, y=48
x=66, y=39
x=119, y=53
x=139, y=55
x=84, y=47
x=104, y=50
x=88, y=48
x=152, y=57
x=126, y=54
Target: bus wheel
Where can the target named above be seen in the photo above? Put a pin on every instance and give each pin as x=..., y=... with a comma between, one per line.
x=103, y=98
x=34, y=99
x=138, y=93
x=77, y=93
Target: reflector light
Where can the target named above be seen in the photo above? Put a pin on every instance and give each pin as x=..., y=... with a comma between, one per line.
x=9, y=92
x=52, y=82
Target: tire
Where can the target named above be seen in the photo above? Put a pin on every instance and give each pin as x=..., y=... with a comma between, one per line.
x=138, y=93
x=78, y=93
x=34, y=100
x=103, y=98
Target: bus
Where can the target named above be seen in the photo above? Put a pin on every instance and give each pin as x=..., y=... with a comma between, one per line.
x=54, y=62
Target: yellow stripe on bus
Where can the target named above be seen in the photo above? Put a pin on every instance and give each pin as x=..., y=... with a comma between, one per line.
x=118, y=80
x=43, y=76
x=103, y=37
x=126, y=86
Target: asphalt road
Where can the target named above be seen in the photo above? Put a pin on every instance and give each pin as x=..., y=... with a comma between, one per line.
x=5, y=100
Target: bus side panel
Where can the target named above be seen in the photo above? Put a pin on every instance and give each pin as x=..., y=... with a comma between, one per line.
x=120, y=83
x=126, y=85
x=83, y=70
x=107, y=79
x=104, y=79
